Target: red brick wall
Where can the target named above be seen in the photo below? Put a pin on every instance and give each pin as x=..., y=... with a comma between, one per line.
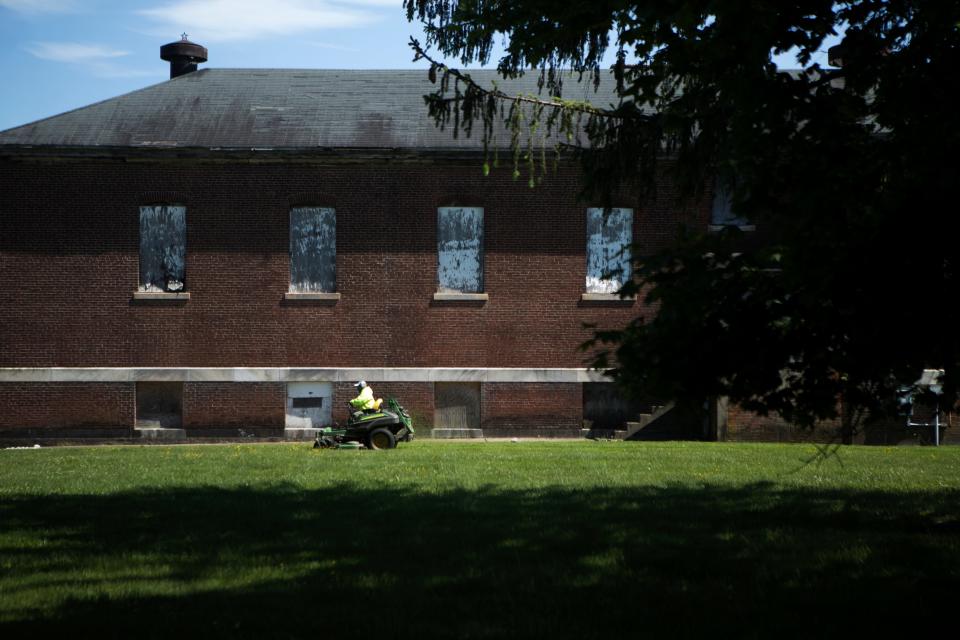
x=745, y=426
x=234, y=405
x=531, y=409
x=59, y=405
x=69, y=256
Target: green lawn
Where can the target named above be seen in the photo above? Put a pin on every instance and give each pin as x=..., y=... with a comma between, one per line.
x=473, y=540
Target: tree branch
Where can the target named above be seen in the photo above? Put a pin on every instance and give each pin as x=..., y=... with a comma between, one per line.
x=571, y=105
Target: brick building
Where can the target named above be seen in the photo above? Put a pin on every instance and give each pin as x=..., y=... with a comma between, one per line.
x=205, y=253
x=225, y=253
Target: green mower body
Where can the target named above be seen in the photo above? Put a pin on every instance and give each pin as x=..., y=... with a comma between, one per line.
x=381, y=429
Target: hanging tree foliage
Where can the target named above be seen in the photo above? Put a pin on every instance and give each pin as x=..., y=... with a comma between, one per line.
x=534, y=123
x=849, y=175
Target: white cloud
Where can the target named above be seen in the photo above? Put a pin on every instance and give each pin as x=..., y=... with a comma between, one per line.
x=39, y=6
x=219, y=20
x=73, y=52
x=95, y=59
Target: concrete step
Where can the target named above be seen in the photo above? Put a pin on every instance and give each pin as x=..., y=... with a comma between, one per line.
x=160, y=433
x=648, y=418
x=300, y=433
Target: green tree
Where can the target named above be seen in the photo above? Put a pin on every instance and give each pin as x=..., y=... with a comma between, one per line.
x=849, y=175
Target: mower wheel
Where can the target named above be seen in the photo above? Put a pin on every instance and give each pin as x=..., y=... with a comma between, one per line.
x=381, y=439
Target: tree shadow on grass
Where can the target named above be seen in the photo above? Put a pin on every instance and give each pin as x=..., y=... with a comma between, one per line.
x=348, y=562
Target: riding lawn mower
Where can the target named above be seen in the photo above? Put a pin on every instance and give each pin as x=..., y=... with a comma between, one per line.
x=375, y=429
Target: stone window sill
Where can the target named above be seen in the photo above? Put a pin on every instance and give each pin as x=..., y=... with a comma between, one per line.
x=460, y=297
x=606, y=298
x=173, y=296
x=312, y=296
x=715, y=228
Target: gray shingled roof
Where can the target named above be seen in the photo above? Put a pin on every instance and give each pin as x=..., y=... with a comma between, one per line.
x=275, y=109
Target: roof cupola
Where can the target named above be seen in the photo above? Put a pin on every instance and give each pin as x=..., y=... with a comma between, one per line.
x=183, y=56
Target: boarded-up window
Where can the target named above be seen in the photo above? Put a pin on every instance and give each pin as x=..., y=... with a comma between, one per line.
x=609, y=236
x=313, y=249
x=722, y=213
x=460, y=249
x=163, y=247
x=457, y=405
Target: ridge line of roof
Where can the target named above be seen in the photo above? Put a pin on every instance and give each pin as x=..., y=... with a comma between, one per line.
x=379, y=69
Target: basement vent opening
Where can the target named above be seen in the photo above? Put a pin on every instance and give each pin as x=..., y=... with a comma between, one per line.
x=303, y=403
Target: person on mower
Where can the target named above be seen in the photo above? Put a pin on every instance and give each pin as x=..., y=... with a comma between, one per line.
x=365, y=401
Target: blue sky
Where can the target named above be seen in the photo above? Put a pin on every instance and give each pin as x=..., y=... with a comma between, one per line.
x=59, y=55
x=63, y=54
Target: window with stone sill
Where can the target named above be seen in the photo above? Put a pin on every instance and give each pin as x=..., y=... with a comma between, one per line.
x=460, y=250
x=313, y=250
x=163, y=248
x=722, y=214
x=609, y=238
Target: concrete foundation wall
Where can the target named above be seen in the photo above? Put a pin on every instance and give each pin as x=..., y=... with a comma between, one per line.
x=224, y=406
x=745, y=426
x=67, y=410
x=531, y=410
x=65, y=406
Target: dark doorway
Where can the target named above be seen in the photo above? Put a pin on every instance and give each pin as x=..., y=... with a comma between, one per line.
x=605, y=407
x=159, y=404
